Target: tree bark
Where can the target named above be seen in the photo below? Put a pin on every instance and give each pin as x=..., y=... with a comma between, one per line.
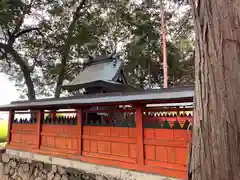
x=66, y=49
x=9, y=48
x=24, y=68
x=216, y=127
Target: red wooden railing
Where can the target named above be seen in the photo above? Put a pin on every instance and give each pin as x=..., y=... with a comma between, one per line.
x=148, y=149
x=110, y=143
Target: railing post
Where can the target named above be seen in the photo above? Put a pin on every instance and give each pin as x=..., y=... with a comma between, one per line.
x=40, y=115
x=79, y=126
x=53, y=115
x=10, y=121
x=139, y=126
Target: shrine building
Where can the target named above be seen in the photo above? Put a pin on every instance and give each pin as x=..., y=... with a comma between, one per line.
x=112, y=126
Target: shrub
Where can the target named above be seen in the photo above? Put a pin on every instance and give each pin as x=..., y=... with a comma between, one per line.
x=3, y=139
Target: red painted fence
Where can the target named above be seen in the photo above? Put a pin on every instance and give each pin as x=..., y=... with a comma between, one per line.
x=144, y=148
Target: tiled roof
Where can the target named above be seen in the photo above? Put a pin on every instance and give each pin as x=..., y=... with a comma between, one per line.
x=98, y=71
x=184, y=94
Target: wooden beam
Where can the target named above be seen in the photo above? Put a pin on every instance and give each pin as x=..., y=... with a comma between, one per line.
x=139, y=126
x=178, y=114
x=64, y=112
x=10, y=121
x=53, y=114
x=75, y=106
x=40, y=116
x=166, y=109
x=79, y=125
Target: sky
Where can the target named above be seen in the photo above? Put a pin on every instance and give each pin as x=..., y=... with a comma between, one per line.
x=8, y=93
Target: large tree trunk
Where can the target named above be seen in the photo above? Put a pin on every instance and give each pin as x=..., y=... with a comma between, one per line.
x=216, y=127
x=31, y=94
x=66, y=49
x=24, y=68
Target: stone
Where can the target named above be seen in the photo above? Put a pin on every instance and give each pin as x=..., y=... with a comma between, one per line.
x=54, y=168
x=40, y=174
x=44, y=176
x=36, y=172
x=88, y=176
x=57, y=177
x=64, y=177
x=5, y=157
x=25, y=167
x=74, y=178
x=47, y=167
x=99, y=177
x=25, y=175
x=31, y=168
x=39, y=178
x=113, y=178
x=13, y=164
x=20, y=171
x=61, y=170
x=74, y=172
x=83, y=176
x=6, y=169
x=18, y=178
x=50, y=175
x=5, y=177
x=14, y=176
x=1, y=169
x=2, y=150
x=91, y=176
x=30, y=160
x=11, y=172
x=32, y=178
x=44, y=171
x=40, y=165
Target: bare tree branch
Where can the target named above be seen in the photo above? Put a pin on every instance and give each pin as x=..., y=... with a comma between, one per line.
x=24, y=68
x=24, y=31
x=36, y=61
x=20, y=21
x=66, y=48
x=4, y=55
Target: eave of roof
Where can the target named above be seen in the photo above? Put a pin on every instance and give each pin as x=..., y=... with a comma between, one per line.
x=107, y=84
x=169, y=95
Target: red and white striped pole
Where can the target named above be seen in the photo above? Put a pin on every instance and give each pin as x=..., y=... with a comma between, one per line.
x=164, y=49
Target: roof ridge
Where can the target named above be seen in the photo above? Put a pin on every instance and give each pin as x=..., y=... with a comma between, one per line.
x=99, y=59
x=163, y=90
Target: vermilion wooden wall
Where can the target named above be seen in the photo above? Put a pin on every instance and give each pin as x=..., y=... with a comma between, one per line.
x=166, y=148
x=152, y=150
x=24, y=135
x=60, y=138
x=111, y=143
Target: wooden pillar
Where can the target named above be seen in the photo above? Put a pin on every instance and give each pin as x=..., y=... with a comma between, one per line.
x=10, y=121
x=53, y=115
x=139, y=126
x=79, y=125
x=40, y=115
x=178, y=115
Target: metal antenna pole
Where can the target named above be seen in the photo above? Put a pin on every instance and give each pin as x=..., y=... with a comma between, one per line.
x=165, y=66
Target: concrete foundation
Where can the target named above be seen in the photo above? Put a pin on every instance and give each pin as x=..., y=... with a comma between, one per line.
x=108, y=172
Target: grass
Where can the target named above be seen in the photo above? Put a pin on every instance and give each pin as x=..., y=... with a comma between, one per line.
x=3, y=130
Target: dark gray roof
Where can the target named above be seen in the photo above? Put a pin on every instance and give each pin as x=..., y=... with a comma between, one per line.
x=107, y=85
x=184, y=94
x=104, y=70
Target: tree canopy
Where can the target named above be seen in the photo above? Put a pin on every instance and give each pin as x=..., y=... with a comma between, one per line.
x=43, y=43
